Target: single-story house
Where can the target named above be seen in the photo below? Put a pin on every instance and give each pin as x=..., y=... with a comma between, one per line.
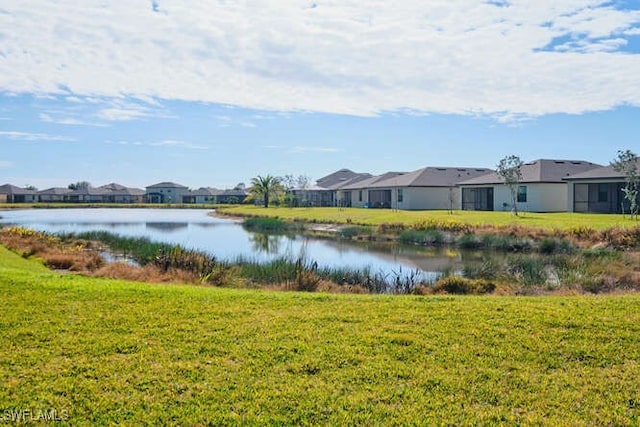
x=232, y=196
x=13, y=194
x=326, y=191
x=116, y=193
x=202, y=195
x=87, y=195
x=597, y=191
x=166, y=192
x=542, y=187
x=365, y=193
x=54, y=194
x=429, y=188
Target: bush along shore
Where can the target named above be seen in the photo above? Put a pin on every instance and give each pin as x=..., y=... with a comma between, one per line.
x=513, y=265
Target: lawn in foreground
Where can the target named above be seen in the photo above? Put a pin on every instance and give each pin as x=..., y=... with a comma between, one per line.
x=111, y=352
x=548, y=221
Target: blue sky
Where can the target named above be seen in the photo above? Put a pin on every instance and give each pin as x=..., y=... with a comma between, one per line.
x=212, y=93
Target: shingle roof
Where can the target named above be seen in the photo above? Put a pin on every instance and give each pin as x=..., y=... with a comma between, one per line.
x=604, y=172
x=541, y=170
x=120, y=190
x=12, y=189
x=166, y=185
x=370, y=182
x=56, y=191
x=206, y=191
x=340, y=178
x=433, y=177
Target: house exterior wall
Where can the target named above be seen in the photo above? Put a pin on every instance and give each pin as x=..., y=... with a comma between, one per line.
x=51, y=197
x=541, y=197
x=584, y=197
x=170, y=194
x=428, y=198
x=3, y=198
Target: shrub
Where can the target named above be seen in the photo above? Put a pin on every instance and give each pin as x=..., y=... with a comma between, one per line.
x=351, y=232
x=426, y=237
x=469, y=241
x=529, y=269
x=463, y=286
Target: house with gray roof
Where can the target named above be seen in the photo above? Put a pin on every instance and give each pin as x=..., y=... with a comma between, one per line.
x=117, y=193
x=12, y=194
x=542, y=187
x=366, y=194
x=598, y=190
x=326, y=191
x=166, y=192
x=428, y=188
x=53, y=195
x=202, y=195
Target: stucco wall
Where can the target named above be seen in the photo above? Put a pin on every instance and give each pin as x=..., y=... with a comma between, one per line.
x=429, y=198
x=543, y=197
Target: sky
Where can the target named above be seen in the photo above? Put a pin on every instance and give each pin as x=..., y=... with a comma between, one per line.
x=211, y=93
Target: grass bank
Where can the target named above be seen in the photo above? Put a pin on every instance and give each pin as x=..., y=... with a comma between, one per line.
x=378, y=217
x=114, y=352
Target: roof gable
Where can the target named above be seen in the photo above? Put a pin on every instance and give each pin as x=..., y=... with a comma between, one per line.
x=538, y=171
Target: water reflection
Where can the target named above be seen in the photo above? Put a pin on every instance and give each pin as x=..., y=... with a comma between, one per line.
x=226, y=239
x=266, y=243
x=166, y=226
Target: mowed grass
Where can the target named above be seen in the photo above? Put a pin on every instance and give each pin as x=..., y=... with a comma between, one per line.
x=119, y=352
x=547, y=221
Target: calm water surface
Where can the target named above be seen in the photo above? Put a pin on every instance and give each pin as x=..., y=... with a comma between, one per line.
x=226, y=238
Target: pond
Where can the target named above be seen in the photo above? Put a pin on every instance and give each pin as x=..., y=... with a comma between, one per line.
x=226, y=239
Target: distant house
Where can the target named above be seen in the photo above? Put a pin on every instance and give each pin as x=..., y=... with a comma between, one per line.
x=87, y=195
x=166, y=192
x=326, y=191
x=423, y=189
x=117, y=193
x=13, y=194
x=52, y=195
x=365, y=193
x=541, y=189
x=232, y=196
x=202, y=195
x=598, y=190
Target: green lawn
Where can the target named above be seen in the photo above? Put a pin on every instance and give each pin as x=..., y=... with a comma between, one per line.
x=108, y=352
x=379, y=216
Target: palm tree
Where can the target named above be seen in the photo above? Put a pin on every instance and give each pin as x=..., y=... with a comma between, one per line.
x=266, y=187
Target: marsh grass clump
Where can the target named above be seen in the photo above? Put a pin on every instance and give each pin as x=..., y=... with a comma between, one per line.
x=270, y=224
x=530, y=270
x=489, y=268
x=355, y=231
x=463, y=286
x=554, y=245
x=431, y=237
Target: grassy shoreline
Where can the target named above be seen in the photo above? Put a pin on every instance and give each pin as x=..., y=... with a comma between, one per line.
x=475, y=219
x=108, y=351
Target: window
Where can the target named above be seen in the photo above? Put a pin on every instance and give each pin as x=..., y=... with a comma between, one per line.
x=522, y=194
x=400, y=195
x=360, y=195
x=603, y=193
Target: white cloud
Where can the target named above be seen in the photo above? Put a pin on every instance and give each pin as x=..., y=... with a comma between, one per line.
x=32, y=137
x=5, y=164
x=502, y=58
x=168, y=143
x=301, y=149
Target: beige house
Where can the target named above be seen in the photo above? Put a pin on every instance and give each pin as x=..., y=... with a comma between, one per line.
x=55, y=194
x=597, y=191
x=542, y=188
x=166, y=192
x=429, y=188
x=12, y=194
